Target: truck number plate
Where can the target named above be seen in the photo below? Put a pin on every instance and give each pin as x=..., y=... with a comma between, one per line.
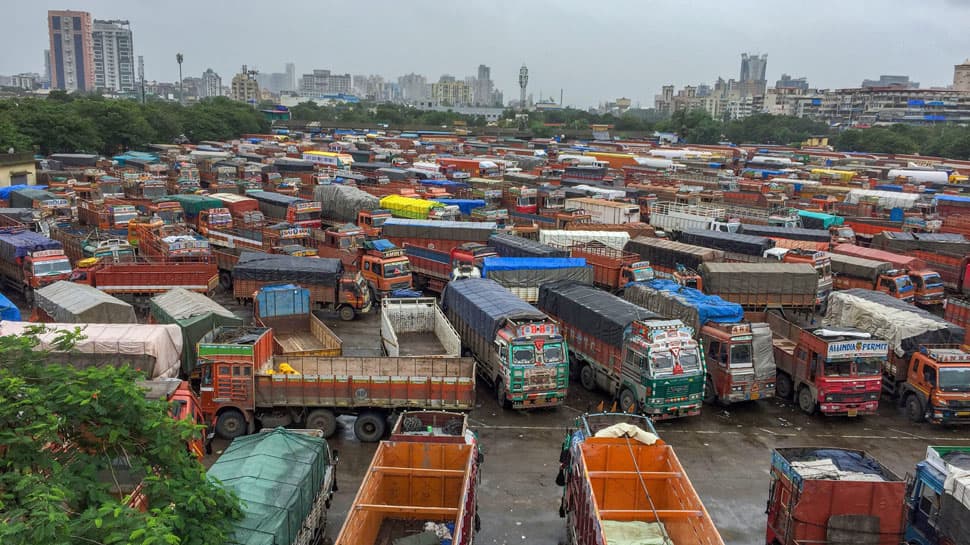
x=755, y=395
x=963, y=413
x=853, y=412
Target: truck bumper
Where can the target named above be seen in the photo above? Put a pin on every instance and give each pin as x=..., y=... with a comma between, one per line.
x=864, y=408
x=934, y=299
x=939, y=415
x=539, y=400
x=677, y=411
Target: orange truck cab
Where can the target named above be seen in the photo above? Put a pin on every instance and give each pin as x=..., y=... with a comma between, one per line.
x=928, y=286
x=937, y=385
x=183, y=405
x=371, y=221
x=836, y=371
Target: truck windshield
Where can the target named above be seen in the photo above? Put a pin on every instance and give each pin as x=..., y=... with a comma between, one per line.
x=552, y=353
x=955, y=379
x=932, y=281
x=868, y=367
x=125, y=217
x=378, y=221
x=397, y=268
x=523, y=354
x=689, y=361
x=903, y=283
x=643, y=275
x=740, y=355
x=661, y=363
x=838, y=368
x=44, y=268
x=824, y=271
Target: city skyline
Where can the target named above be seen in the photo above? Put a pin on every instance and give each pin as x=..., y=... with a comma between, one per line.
x=707, y=44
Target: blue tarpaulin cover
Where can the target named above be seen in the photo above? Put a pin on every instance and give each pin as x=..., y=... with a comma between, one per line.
x=710, y=308
x=6, y=191
x=952, y=198
x=445, y=183
x=8, y=310
x=382, y=245
x=526, y=263
x=465, y=206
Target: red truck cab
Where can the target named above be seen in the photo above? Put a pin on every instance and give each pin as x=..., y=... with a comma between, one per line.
x=836, y=371
x=732, y=376
x=523, y=200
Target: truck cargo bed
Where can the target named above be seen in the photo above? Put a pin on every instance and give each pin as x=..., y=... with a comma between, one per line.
x=421, y=344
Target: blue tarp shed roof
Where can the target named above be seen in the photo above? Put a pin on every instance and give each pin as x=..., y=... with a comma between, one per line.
x=6, y=191
x=710, y=308
x=530, y=263
x=8, y=310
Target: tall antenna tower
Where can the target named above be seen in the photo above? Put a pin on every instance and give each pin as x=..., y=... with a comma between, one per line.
x=523, y=83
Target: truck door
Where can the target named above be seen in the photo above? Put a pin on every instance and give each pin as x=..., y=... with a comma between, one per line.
x=779, y=516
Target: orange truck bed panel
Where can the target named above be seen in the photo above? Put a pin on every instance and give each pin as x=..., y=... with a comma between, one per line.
x=620, y=479
x=414, y=482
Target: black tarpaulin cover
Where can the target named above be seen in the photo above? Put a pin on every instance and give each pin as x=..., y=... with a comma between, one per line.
x=485, y=305
x=791, y=233
x=592, y=310
x=284, y=268
x=513, y=246
x=729, y=242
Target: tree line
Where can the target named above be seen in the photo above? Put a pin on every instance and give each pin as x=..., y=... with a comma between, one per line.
x=90, y=123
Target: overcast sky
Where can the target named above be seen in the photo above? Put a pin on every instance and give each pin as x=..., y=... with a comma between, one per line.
x=594, y=50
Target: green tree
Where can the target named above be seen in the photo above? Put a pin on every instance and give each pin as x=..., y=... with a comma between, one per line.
x=11, y=137
x=68, y=435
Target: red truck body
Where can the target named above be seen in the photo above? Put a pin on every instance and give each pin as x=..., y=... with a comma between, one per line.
x=612, y=268
x=807, y=505
x=143, y=278
x=105, y=216
x=432, y=269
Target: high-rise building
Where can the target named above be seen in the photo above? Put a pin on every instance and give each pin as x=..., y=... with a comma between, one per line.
x=483, y=89
x=322, y=82
x=290, y=70
x=788, y=82
x=211, y=84
x=961, y=77
x=414, y=87
x=449, y=92
x=244, y=86
x=890, y=81
x=47, y=66
x=752, y=81
x=72, y=51
x=114, y=57
x=523, y=83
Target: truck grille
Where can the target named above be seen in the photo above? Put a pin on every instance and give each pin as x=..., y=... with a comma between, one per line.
x=846, y=398
x=678, y=390
x=399, y=285
x=958, y=405
x=536, y=379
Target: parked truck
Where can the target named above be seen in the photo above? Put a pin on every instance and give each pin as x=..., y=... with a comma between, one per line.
x=787, y=237
x=521, y=352
x=674, y=218
x=857, y=272
x=342, y=204
x=195, y=314
x=567, y=239
x=300, y=469
x=623, y=484
x=294, y=210
x=83, y=243
x=436, y=235
x=385, y=267
x=927, y=286
x=735, y=243
x=757, y=286
x=612, y=269
x=297, y=330
x=836, y=371
x=649, y=364
x=419, y=209
x=440, y=459
x=604, y=211
x=170, y=243
x=330, y=287
x=416, y=327
x=674, y=260
x=524, y=275
x=739, y=356
x=514, y=246
x=139, y=280
x=926, y=370
x=937, y=507
x=105, y=216
x=433, y=269
x=29, y=261
x=833, y=495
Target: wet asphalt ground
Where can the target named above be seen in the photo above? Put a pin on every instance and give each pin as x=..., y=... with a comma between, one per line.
x=725, y=451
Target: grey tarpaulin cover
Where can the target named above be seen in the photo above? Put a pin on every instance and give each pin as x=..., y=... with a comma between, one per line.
x=343, y=202
x=527, y=272
x=791, y=233
x=668, y=253
x=764, y=351
x=858, y=267
x=513, y=246
x=729, y=242
x=767, y=278
x=945, y=243
x=154, y=349
x=591, y=310
x=485, y=305
x=284, y=268
x=905, y=326
x=466, y=231
x=195, y=314
x=72, y=303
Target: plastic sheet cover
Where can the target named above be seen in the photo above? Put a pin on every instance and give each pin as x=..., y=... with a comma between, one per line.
x=284, y=268
x=885, y=199
x=766, y=278
x=591, y=310
x=691, y=306
x=669, y=254
x=466, y=231
x=14, y=245
x=195, y=314
x=764, y=350
x=277, y=475
x=513, y=246
x=526, y=272
x=465, y=206
x=791, y=233
x=485, y=305
x=728, y=242
x=819, y=220
x=343, y=203
x=565, y=239
x=858, y=267
x=944, y=243
x=79, y=303
x=8, y=310
x=905, y=326
x=162, y=343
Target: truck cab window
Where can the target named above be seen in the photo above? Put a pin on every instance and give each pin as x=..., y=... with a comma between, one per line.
x=714, y=351
x=929, y=375
x=207, y=375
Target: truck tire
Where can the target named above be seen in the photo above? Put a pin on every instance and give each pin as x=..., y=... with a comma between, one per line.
x=710, y=394
x=587, y=377
x=628, y=401
x=225, y=280
x=347, y=313
x=783, y=386
x=231, y=424
x=500, y=395
x=914, y=409
x=805, y=400
x=370, y=426
x=323, y=420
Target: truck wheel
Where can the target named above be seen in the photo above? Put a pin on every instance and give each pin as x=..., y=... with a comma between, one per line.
x=710, y=394
x=628, y=401
x=914, y=409
x=783, y=386
x=323, y=420
x=347, y=313
x=225, y=280
x=805, y=400
x=231, y=424
x=587, y=377
x=500, y=395
x=370, y=426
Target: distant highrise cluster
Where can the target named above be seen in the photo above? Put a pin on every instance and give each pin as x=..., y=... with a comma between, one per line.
x=90, y=54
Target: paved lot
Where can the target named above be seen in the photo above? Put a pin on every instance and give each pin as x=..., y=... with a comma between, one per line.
x=726, y=453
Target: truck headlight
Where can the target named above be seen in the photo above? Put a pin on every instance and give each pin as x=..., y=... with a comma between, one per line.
x=873, y=396
x=942, y=403
x=829, y=397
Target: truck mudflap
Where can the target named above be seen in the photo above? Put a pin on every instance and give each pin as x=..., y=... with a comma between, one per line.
x=537, y=399
x=675, y=411
x=865, y=408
